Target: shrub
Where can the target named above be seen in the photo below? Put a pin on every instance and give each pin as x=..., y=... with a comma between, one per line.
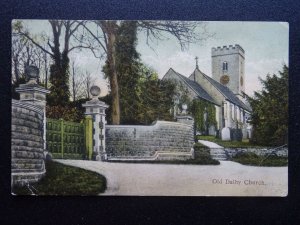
x=67, y=113
x=202, y=155
x=250, y=158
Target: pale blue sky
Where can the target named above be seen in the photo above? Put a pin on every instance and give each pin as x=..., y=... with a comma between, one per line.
x=265, y=45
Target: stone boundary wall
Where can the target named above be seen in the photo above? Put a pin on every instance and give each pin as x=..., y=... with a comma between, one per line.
x=231, y=152
x=27, y=157
x=160, y=141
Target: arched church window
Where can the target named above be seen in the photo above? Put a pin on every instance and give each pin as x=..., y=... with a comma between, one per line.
x=225, y=66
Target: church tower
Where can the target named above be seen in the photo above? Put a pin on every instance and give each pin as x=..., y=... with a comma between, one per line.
x=228, y=67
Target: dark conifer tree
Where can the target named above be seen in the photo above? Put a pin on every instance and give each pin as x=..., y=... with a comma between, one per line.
x=270, y=110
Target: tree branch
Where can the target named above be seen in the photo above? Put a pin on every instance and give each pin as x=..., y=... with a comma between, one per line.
x=96, y=38
x=34, y=42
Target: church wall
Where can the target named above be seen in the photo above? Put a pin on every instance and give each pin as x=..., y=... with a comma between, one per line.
x=216, y=95
x=209, y=88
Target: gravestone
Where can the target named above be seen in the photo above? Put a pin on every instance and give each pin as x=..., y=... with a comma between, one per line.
x=226, y=134
x=236, y=134
x=245, y=133
x=212, y=130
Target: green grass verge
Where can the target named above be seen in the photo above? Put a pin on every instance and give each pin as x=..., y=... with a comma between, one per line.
x=229, y=144
x=65, y=180
x=256, y=160
x=202, y=157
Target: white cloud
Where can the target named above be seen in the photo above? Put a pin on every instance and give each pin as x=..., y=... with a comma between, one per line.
x=260, y=68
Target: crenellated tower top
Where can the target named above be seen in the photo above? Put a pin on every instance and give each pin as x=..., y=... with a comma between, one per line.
x=231, y=49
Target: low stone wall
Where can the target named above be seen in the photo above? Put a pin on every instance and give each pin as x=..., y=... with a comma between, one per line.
x=27, y=157
x=161, y=141
x=231, y=152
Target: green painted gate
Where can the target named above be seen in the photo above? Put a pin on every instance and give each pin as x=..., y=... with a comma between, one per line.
x=69, y=140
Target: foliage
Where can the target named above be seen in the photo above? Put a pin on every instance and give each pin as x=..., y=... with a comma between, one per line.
x=156, y=100
x=150, y=100
x=68, y=113
x=270, y=110
x=202, y=154
x=127, y=66
x=249, y=158
x=108, y=100
x=59, y=91
x=143, y=97
x=198, y=107
x=229, y=144
x=65, y=180
x=182, y=94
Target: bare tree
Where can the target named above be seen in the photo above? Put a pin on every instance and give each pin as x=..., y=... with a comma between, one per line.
x=46, y=69
x=88, y=82
x=105, y=36
x=18, y=46
x=77, y=82
x=62, y=33
x=24, y=53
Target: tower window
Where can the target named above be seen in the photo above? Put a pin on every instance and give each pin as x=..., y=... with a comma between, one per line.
x=225, y=66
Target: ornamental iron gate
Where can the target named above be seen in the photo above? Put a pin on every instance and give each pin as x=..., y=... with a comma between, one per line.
x=69, y=140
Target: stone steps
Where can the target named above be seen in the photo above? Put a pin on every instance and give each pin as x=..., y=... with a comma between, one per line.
x=218, y=154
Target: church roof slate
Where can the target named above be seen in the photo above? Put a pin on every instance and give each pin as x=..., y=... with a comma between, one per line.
x=197, y=88
x=229, y=95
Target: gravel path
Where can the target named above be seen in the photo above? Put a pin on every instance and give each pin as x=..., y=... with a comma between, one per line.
x=227, y=179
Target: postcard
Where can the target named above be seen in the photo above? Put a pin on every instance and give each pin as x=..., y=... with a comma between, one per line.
x=149, y=108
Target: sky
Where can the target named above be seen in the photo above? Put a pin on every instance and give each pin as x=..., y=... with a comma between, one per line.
x=265, y=43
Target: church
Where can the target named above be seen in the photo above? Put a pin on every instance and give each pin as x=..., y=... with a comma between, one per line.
x=224, y=90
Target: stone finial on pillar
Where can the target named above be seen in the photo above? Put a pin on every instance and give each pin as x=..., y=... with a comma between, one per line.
x=184, y=108
x=96, y=109
x=33, y=93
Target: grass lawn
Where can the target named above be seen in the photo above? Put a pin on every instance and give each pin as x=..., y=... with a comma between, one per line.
x=202, y=157
x=229, y=144
x=255, y=160
x=65, y=180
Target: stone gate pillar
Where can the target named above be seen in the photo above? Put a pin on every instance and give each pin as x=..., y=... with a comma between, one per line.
x=34, y=94
x=96, y=109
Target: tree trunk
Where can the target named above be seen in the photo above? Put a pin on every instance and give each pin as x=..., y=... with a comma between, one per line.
x=46, y=70
x=16, y=62
x=73, y=81
x=113, y=78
